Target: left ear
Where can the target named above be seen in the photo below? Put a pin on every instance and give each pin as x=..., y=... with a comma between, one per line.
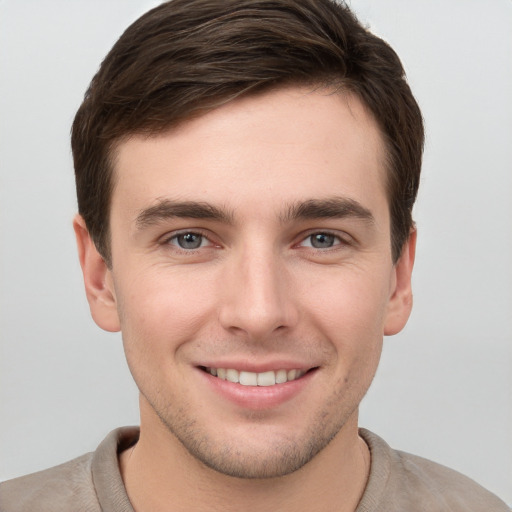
x=400, y=302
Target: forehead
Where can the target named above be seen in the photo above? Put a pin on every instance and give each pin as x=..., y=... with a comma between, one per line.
x=280, y=147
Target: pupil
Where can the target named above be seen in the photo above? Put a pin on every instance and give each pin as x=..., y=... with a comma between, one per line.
x=189, y=241
x=322, y=240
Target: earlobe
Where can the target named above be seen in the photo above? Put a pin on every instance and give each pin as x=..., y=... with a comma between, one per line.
x=400, y=302
x=97, y=279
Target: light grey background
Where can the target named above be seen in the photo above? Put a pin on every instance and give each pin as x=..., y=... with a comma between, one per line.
x=444, y=388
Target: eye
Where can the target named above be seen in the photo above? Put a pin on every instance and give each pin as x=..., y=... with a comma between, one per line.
x=321, y=241
x=189, y=240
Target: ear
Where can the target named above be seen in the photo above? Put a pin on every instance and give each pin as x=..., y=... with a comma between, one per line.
x=400, y=302
x=98, y=282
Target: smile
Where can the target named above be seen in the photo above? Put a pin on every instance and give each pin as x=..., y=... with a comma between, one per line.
x=268, y=378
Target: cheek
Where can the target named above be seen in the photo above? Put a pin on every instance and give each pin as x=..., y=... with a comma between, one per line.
x=350, y=313
x=160, y=312
x=351, y=305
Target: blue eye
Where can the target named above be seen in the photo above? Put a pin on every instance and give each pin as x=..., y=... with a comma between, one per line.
x=189, y=241
x=321, y=241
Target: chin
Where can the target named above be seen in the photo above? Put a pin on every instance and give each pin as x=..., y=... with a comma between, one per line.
x=259, y=452
x=276, y=460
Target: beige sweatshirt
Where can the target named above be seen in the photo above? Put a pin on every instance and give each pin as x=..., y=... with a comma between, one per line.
x=398, y=482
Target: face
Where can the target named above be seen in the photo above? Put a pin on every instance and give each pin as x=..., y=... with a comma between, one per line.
x=252, y=277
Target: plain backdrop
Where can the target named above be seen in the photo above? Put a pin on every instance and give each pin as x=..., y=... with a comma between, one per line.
x=444, y=387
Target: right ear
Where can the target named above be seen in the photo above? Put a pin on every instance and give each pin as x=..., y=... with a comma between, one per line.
x=99, y=286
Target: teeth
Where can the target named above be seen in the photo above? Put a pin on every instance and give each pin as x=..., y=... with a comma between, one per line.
x=232, y=375
x=248, y=379
x=281, y=376
x=269, y=378
x=266, y=378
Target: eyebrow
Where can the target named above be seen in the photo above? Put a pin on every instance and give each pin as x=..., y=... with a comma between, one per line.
x=167, y=209
x=334, y=207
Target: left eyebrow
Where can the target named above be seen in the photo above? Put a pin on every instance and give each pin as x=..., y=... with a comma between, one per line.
x=330, y=208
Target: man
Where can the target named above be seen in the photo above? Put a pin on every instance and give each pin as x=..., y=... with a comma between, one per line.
x=245, y=175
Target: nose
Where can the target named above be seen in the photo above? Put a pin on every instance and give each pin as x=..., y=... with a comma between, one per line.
x=258, y=295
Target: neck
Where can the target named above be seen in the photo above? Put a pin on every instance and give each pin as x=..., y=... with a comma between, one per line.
x=160, y=475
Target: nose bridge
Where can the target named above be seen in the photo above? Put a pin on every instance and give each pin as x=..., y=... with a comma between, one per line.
x=257, y=298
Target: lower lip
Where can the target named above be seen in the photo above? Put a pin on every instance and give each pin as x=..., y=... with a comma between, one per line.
x=258, y=397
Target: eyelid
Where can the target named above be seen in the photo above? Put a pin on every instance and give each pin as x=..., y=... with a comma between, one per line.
x=166, y=239
x=343, y=237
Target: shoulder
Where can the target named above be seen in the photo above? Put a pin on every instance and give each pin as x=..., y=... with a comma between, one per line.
x=445, y=486
x=401, y=481
x=68, y=486
x=90, y=483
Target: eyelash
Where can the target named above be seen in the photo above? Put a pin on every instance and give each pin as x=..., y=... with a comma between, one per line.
x=174, y=237
x=337, y=240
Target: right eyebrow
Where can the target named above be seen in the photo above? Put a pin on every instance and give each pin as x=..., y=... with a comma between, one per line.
x=167, y=209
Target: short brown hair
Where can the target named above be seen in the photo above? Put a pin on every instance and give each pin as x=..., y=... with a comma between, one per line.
x=186, y=57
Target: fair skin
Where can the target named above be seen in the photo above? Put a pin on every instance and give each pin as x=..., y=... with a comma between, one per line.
x=255, y=238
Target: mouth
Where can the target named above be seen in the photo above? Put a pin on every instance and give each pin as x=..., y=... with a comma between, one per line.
x=267, y=378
